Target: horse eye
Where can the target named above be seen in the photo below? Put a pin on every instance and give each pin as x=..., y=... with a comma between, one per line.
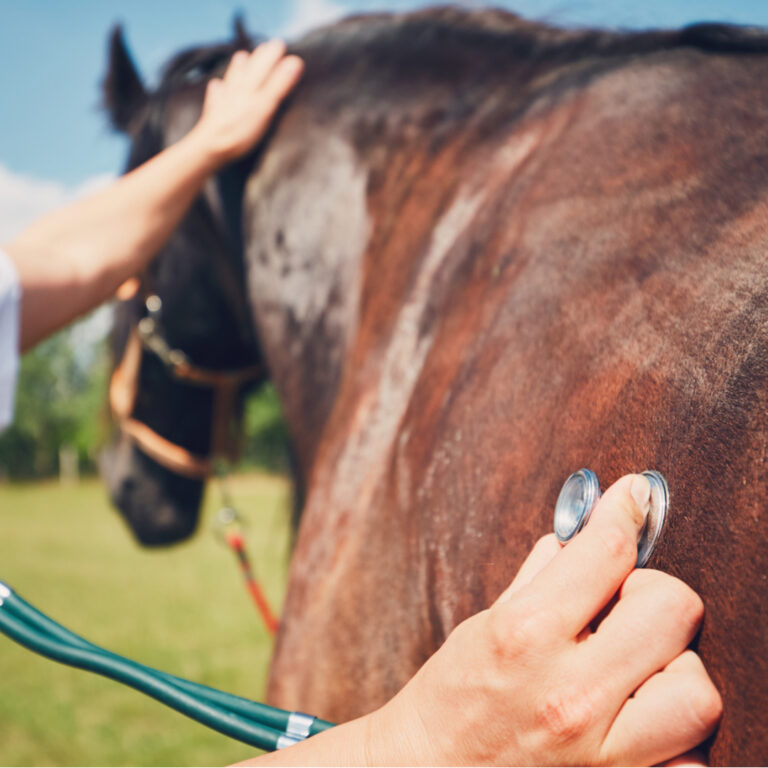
x=194, y=74
x=578, y=497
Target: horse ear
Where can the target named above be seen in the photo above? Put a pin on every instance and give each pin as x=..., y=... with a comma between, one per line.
x=242, y=38
x=124, y=94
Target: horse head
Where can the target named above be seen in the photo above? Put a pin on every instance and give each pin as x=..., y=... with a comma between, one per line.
x=183, y=340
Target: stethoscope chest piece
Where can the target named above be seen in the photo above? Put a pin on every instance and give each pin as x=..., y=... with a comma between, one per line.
x=580, y=494
x=657, y=515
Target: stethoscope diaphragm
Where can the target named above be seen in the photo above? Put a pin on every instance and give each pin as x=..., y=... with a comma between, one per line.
x=581, y=492
x=577, y=499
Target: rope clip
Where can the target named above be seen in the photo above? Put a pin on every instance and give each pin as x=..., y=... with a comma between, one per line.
x=229, y=527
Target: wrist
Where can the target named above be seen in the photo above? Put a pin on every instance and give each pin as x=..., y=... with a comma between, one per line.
x=397, y=734
x=345, y=744
x=204, y=152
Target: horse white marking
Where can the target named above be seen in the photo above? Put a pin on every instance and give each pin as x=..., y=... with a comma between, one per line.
x=515, y=152
x=363, y=460
x=303, y=276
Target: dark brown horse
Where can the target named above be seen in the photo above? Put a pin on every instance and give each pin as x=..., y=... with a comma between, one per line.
x=199, y=276
x=482, y=253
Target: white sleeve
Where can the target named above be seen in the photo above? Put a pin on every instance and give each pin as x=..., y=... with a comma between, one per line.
x=10, y=295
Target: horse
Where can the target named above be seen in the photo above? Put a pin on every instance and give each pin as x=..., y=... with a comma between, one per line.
x=205, y=318
x=481, y=252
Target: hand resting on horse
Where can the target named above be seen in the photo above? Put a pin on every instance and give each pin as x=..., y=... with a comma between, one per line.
x=582, y=660
x=73, y=259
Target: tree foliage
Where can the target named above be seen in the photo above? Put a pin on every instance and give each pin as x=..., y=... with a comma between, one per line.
x=58, y=403
x=266, y=436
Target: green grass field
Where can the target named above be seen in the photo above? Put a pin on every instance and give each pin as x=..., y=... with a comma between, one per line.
x=183, y=610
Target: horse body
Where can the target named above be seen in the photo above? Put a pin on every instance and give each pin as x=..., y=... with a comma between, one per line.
x=482, y=254
x=563, y=268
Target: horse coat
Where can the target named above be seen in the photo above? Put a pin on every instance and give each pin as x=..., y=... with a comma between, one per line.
x=482, y=253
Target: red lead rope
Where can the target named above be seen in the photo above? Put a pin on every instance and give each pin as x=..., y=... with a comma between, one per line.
x=236, y=543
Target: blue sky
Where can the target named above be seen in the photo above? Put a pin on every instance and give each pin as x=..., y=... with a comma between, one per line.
x=52, y=58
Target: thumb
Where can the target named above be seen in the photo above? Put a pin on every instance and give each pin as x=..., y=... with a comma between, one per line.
x=625, y=504
x=212, y=91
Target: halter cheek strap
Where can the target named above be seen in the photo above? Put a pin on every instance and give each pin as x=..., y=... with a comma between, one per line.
x=169, y=455
x=123, y=386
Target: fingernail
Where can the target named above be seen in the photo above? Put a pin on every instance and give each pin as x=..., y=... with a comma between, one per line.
x=641, y=493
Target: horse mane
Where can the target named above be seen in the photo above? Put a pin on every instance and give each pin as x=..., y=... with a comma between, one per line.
x=494, y=31
x=403, y=56
x=503, y=33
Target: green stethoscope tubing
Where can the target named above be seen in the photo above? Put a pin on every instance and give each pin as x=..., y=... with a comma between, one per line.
x=256, y=724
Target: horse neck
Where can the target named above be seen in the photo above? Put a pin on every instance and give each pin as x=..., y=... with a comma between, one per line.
x=305, y=235
x=338, y=213
x=325, y=199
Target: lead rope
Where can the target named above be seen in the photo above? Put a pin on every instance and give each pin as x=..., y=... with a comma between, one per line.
x=229, y=528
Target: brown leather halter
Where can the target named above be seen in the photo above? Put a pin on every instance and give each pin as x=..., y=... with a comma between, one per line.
x=123, y=386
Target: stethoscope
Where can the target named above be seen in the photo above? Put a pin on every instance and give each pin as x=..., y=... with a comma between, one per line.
x=257, y=724
x=580, y=494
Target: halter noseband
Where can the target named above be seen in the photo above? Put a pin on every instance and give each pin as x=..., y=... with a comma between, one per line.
x=123, y=388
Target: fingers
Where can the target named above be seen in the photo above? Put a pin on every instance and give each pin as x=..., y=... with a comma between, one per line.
x=591, y=568
x=653, y=621
x=541, y=554
x=263, y=60
x=239, y=107
x=237, y=64
x=282, y=79
x=671, y=713
x=267, y=70
x=258, y=66
x=255, y=65
x=212, y=90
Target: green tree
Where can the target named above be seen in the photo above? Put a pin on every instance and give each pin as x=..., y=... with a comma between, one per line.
x=58, y=403
x=266, y=436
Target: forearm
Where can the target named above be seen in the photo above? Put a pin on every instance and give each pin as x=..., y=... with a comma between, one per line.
x=73, y=259
x=390, y=735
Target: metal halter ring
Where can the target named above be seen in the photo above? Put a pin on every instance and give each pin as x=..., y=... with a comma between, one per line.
x=228, y=520
x=580, y=494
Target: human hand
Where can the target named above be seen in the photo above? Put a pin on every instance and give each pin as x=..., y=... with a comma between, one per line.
x=556, y=672
x=239, y=107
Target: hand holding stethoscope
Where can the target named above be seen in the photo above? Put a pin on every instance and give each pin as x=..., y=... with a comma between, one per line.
x=582, y=660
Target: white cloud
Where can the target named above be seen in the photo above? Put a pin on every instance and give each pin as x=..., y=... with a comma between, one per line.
x=25, y=198
x=308, y=14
